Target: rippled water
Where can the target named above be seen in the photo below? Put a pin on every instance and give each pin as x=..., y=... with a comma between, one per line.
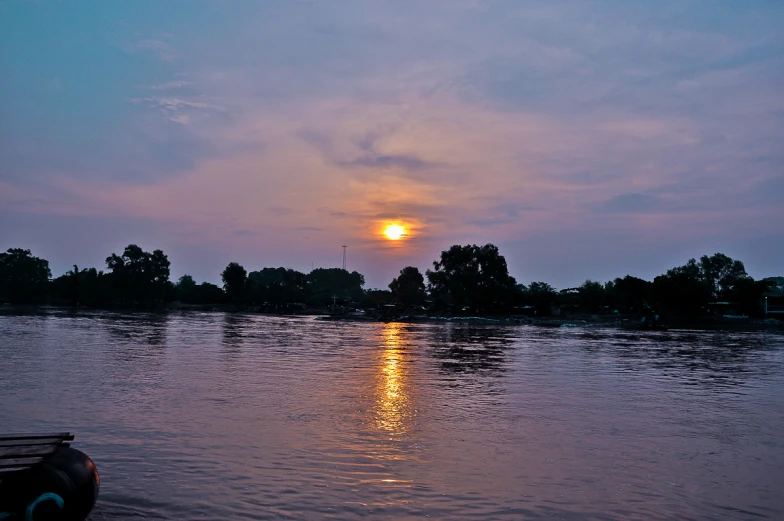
x=216, y=416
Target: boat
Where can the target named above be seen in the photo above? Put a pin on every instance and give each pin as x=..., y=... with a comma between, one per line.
x=43, y=477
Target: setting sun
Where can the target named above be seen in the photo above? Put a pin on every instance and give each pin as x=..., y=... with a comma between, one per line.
x=394, y=232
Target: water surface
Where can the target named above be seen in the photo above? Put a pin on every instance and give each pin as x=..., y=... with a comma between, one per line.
x=218, y=416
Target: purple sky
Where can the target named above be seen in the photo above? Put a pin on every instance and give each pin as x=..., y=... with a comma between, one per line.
x=586, y=139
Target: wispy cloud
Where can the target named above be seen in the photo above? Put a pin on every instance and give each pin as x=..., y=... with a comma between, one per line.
x=159, y=48
x=179, y=110
x=403, y=162
x=168, y=85
x=632, y=203
x=493, y=221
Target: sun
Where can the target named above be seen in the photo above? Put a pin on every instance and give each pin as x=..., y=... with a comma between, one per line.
x=394, y=232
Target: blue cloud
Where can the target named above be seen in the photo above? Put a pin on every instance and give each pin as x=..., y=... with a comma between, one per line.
x=631, y=203
x=380, y=162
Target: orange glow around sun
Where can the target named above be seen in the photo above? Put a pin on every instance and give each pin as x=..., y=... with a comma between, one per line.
x=394, y=232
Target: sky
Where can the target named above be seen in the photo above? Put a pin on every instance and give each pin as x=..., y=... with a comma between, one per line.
x=588, y=140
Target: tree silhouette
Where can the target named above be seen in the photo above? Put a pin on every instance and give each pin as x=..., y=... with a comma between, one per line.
x=139, y=276
x=747, y=294
x=775, y=285
x=234, y=278
x=408, y=288
x=472, y=276
x=24, y=279
x=189, y=292
x=720, y=273
x=186, y=283
x=325, y=284
x=630, y=294
x=592, y=295
x=543, y=297
x=208, y=293
x=185, y=289
x=465, y=278
x=276, y=286
x=77, y=287
x=373, y=298
x=683, y=289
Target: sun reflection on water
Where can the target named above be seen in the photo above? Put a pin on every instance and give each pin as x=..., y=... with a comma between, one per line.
x=393, y=403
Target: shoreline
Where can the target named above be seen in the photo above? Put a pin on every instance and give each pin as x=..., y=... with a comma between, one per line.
x=580, y=321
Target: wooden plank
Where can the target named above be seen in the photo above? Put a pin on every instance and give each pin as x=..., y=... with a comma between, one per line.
x=19, y=452
x=20, y=462
x=17, y=436
x=32, y=450
x=38, y=441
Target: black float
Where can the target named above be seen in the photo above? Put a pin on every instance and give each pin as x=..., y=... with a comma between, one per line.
x=43, y=479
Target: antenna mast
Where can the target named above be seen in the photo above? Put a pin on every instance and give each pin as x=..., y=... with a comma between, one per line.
x=344, y=256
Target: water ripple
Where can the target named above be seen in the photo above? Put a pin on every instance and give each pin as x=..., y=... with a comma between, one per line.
x=218, y=416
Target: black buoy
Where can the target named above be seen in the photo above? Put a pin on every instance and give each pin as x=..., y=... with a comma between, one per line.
x=63, y=487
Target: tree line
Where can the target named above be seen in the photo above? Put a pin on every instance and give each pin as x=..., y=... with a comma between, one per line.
x=466, y=279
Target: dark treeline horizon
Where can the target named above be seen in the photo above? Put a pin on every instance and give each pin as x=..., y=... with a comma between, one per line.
x=466, y=279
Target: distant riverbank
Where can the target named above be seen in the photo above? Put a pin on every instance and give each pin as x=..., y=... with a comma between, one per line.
x=572, y=321
x=585, y=321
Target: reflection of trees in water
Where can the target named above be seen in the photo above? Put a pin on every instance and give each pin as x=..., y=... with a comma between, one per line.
x=235, y=333
x=711, y=359
x=138, y=346
x=139, y=329
x=279, y=334
x=471, y=348
x=234, y=330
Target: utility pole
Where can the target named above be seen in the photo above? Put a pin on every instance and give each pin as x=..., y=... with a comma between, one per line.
x=344, y=256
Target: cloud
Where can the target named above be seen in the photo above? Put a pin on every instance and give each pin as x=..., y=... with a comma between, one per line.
x=332, y=213
x=159, y=48
x=370, y=158
x=381, y=162
x=180, y=110
x=282, y=210
x=631, y=203
x=27, y=203
x=168, y=85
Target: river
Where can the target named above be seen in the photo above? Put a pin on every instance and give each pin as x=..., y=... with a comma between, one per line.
x=219, y=416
